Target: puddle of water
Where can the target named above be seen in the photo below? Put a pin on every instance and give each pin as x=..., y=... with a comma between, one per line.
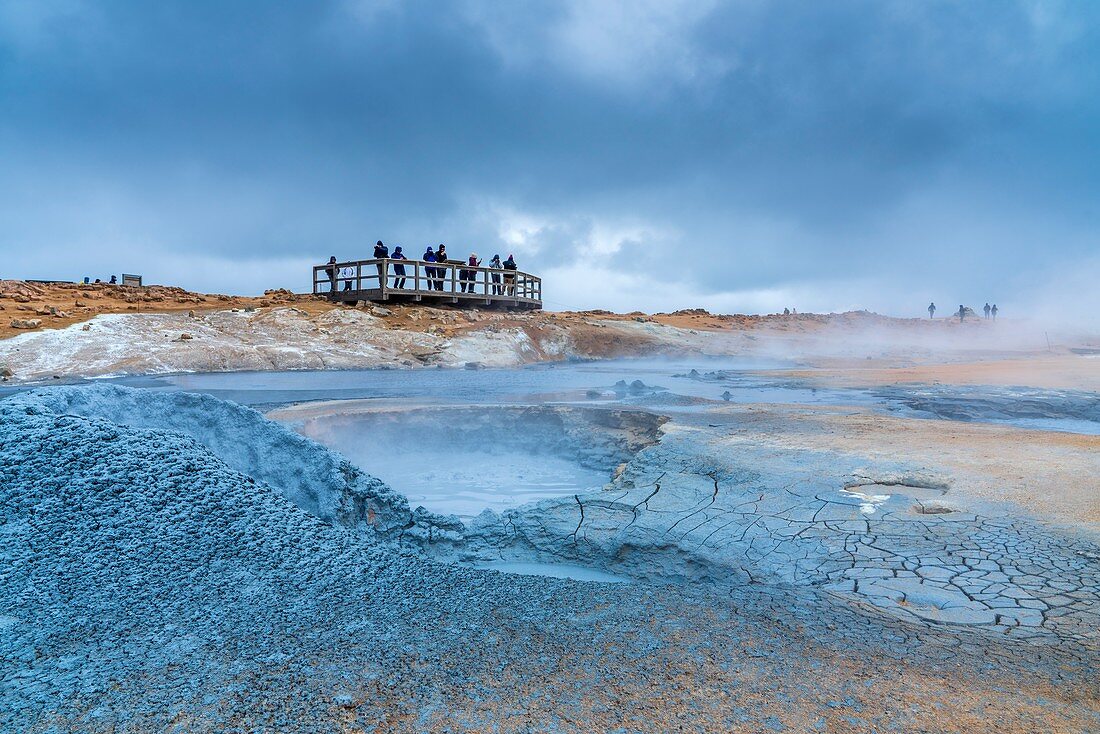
x=1060, y=425
x=555, y=570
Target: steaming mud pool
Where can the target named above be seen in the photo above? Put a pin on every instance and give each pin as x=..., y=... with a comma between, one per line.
x=434, y=551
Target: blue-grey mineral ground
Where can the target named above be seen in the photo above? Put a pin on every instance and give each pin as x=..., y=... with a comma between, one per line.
x=173, y=562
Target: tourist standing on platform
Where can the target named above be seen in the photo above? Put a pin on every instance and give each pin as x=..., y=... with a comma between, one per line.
x=469, y=277
x=932, y=310
x=429, y=270
x=986, y=309
x=398, y=268
x=330, y=269
x=381, y=252
x=441, y=273
x=510, y=275
x=961, y=313
x=495, y=265
x=994, y=311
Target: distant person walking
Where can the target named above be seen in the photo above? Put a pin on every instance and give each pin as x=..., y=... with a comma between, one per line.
x=429, y=270
x=331, y=270
x=962, y=313
x=932, y=310
x=494, y=264
x=994, y=311
x=987, y=310
x=398, y=268
x=441, y=273
x=510, y=269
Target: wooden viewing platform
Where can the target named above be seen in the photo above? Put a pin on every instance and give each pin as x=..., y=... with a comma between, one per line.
x=450, y=282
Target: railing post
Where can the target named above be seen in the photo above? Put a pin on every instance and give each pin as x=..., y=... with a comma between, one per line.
x=416, y=276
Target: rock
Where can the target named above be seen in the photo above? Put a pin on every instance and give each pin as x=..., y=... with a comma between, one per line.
x=185, y=337
x=5, y=371
x=191, y=314
x=473, y=365
x=26, y=323
x=86, y=327
x=379, y=311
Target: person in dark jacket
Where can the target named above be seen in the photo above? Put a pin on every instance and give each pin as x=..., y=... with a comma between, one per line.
x=931, y=310
x=330, y=269
x=961, y=313
x=398, y=268
x=510, y=275
x=381, y=252
x=441, y=274
x=495, y=265
x=429, y=270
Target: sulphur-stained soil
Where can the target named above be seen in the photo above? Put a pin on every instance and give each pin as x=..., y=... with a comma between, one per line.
x=73, y=330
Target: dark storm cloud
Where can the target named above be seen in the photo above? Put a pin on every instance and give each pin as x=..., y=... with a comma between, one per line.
x=721, y=148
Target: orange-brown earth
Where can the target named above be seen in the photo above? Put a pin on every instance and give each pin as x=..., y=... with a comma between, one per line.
x=57, y=305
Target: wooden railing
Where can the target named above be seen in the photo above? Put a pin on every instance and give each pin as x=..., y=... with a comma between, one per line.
x=378, y=279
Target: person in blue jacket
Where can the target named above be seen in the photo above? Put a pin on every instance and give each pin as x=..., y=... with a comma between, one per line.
x=495, y=265
x=429, y=271
x=398, y=268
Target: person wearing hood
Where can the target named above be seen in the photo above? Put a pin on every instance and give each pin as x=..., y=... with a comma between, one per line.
x=441, y=273
x=932, y=310
x=510, y=275
x=494, y=264
x=381, y=252
x=398, y=268
x=429, y=270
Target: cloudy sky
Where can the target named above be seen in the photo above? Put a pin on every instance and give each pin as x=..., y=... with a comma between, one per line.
x=654, y=154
